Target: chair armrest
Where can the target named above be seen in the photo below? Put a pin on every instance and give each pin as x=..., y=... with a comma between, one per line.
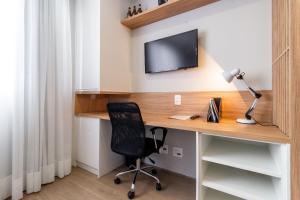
x=153, y=130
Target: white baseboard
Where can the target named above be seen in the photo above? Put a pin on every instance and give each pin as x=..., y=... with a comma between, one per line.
x=87, y=168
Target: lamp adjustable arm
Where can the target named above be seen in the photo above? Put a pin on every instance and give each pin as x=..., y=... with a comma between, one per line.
x=251, y=109
x=252, y=91
x=257, y=96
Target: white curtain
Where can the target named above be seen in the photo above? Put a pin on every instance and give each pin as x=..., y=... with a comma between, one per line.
x=42, y=106
x=8, y=33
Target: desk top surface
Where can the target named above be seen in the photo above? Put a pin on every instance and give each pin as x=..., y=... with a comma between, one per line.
x=227, y=128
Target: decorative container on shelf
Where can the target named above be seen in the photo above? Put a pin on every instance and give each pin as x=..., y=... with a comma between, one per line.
x=134, y=11
x=160, y=2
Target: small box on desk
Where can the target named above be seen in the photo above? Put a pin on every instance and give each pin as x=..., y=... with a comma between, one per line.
x=214, y=110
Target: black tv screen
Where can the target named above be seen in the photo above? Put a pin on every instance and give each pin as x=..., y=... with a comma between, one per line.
x=172, y=53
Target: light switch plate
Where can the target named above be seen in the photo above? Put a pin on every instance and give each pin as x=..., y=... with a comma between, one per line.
x=177, y=100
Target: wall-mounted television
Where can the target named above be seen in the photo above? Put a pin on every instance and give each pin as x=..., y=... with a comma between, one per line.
x=172, y=53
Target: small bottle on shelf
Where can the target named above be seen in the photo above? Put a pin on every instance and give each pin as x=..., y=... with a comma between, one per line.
x=140, y=9
x=134, y=12
x=129, y=13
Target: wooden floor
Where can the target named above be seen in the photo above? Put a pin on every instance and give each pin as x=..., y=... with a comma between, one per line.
x=82, y=185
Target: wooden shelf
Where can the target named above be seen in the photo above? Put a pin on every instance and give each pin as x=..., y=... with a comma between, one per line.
x=256, y=158
x=169, y=9
x=90, y=92
x=99, y=115
x=216, y=195
x=243, y=184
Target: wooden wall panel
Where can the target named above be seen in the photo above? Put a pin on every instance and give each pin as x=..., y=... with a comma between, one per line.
x=295, y=98
x=234, y=104
x=286, y=79
x=281, y=64
x=86, y=103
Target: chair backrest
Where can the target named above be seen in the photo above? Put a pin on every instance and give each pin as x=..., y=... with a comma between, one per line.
x=128, y=129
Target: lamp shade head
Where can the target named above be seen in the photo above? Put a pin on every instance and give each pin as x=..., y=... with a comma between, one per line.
x=229, y=76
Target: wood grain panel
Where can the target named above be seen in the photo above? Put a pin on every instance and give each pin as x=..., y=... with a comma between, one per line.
x=86, y=103
x=100, y=92
x=295, y=98
x=286, y=79
x=281, y=64
x=234, y=104
x=172, y=8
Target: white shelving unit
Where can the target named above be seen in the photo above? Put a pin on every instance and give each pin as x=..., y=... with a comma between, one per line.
x=216, y=195
x=239, y=169
x=243, y=184
x=251, y=157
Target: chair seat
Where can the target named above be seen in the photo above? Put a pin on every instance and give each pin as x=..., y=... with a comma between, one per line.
x=150, y=146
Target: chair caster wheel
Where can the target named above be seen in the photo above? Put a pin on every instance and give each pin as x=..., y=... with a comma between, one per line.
x=158, y=186
x=153, y=172
x=117, y=181
x=131, y=167
x=131, y=195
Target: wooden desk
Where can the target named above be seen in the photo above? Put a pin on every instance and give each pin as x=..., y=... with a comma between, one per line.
x=227, y=128
x=240, y=155
x=229, y=158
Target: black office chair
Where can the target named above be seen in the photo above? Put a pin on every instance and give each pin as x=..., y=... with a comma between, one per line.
x=129, y=139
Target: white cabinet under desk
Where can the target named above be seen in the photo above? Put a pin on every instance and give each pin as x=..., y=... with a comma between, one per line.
x=93, y=146
x=229, y=168
x=87, y=144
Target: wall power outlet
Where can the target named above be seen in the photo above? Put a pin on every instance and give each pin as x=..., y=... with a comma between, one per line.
x=178, y=152
x=164, y=149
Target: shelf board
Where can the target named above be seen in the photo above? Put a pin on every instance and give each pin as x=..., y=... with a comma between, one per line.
x=169, y=9
x=99, y=115
x=226, y=127
x=243, y=184
x=255, y=158
x=90, y=92
x=216, y=195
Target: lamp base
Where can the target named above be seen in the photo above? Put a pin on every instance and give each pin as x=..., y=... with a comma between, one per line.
x=246, y=121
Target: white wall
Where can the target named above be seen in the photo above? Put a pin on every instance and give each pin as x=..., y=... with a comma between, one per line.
x=185, y=165
x=115, y=72
x=232, y=34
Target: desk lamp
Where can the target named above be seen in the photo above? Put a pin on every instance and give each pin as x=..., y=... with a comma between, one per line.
x=229, y=76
